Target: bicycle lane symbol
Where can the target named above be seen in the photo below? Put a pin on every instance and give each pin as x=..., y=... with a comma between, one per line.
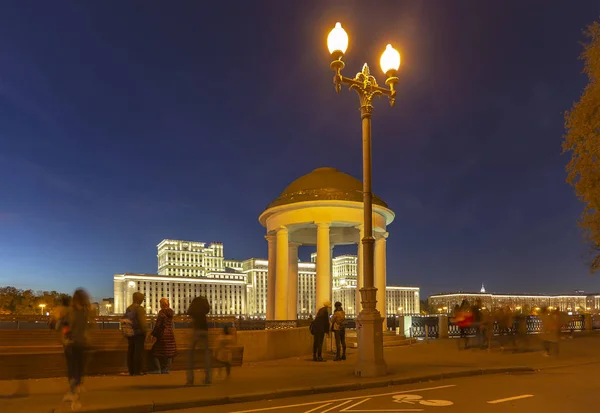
x=416, y=399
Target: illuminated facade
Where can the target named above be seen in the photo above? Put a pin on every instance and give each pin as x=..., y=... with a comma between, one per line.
x=445, y=303
x=187, y=269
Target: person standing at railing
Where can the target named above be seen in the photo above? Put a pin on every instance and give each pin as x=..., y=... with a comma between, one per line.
x=135, y=349
x=320, y=327
x=198, y=310
x=164, y=348
x=338, y=326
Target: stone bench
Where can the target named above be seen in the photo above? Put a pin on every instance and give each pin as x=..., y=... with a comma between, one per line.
x=39, y=354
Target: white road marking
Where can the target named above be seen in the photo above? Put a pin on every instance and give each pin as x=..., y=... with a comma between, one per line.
x=523, y=396
x=264, y=409
x=318, y=407
x=356, y=404
x=337, y=406
x=437, y=403
x=351, y=408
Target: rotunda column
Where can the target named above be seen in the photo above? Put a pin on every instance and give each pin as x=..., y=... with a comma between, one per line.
x=360, y=278
x=281, y=281
x=271, y=271
x=323, y=264
x=380, y=275
x=292, y=296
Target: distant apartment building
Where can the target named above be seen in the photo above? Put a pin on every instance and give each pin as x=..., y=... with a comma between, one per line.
x=187, y=269
x=445, y=303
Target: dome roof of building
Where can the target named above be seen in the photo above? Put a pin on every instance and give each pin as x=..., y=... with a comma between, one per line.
x=324, y=184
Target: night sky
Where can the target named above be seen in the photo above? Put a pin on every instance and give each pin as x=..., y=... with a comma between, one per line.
x=123, y=123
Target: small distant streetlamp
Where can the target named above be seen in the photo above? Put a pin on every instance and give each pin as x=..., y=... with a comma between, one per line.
x=370, y=348
x=108, y=308
x=445, y=309
x=42, y=306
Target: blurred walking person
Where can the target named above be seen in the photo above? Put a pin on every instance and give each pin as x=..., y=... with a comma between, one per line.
x=60, y=312
x=164, y=348
x=487, y=328
x=320, y=327
x=551, y=331
x=223, y=352
x=136, y=315
x=463, y=319
x=505, y=326
x=476, y=313
x=198, y=310
x=338, y=326
x=74, y=328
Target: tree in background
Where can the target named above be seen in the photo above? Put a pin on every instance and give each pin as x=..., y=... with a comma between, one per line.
x=27, y=302
x=582, y=140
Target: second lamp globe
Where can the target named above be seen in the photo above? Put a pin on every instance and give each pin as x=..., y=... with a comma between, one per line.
x=390, y=61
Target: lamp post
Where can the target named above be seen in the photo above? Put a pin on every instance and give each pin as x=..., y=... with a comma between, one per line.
x=370, y=340
x=42, y=306
x=108, y=309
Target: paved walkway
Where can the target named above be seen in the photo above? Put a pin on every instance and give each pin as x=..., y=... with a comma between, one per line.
x=288, y=377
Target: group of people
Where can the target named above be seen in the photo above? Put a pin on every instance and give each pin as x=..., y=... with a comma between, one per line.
x=324, y=324
x=74, y=318
x=512, y=326
x=164, y=348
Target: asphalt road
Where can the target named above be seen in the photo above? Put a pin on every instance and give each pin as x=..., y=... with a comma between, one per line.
x=567, y=389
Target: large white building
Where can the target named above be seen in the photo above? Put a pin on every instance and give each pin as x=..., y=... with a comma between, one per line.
x=187, y=269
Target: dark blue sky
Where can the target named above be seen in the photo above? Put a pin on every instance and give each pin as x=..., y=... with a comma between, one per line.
x=123, y=123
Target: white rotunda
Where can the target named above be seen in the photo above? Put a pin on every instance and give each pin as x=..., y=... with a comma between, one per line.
x=322, y=208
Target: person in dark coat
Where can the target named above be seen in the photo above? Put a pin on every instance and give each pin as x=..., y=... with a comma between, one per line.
x=321, y=327
x=164, y=348
x=135, y=349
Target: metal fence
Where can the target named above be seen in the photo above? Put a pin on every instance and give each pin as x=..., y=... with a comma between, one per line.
x=428, y=326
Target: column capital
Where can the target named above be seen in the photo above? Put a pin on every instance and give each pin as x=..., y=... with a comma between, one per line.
x=281, y=229
x=293, y=244
x=382, y=236
x=323, y=224
x=270, y=237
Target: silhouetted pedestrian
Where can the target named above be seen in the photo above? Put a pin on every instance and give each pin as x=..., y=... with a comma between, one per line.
x=320, y=328
x=198, y=310
x=136, y=314
x=74, y=329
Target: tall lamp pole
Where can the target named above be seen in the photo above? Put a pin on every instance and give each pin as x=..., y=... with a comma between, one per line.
x=370, y=347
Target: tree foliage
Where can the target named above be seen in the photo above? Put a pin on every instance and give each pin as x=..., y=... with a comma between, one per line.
x=582, y=140
x=27, y=302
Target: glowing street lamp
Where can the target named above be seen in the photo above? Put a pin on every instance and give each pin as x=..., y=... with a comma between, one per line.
x=108, y=308
x=370, y=347
x=42, y=306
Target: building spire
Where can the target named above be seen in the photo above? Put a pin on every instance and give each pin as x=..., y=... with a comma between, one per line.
x=482, y=289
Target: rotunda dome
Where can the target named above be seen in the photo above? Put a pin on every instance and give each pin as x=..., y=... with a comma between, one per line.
x=324, y=184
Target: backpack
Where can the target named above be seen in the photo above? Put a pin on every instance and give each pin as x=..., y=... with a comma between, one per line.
x=312, y=327
x=129, y=324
